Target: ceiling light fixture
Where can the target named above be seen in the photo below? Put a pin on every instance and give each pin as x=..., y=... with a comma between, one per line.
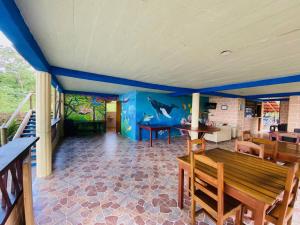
x=225, y=52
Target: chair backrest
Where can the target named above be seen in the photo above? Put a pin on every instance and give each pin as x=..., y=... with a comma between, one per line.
x=291, y=185
x=273, y=145
x=204, y=177
x=248, y=147
x=246, y=135
x=196, y=145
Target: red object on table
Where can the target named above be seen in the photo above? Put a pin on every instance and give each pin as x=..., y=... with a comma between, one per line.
x=155, y=128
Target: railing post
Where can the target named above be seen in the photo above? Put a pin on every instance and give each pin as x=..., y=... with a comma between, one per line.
x=3, y=131
x=30, y=102
x=27, y=191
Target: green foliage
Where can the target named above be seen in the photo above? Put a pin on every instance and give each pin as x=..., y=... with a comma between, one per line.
x=12, y=129
x=16, y=79
x=111, y=106
x=84, y=108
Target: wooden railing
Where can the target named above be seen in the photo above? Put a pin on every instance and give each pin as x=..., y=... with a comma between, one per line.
x=12, y=118
x=12, y=156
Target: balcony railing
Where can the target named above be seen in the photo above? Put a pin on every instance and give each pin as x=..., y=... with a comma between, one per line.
x=12, y=157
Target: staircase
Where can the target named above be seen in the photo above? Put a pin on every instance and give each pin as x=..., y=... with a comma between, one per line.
x=30, y=131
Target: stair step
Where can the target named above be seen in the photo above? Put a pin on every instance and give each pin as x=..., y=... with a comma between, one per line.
x=28, y=131
x=28, y=135
x=30, y=128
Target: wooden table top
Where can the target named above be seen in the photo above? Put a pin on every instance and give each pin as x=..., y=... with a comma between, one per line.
x=201, y=129
x=261, y=179
x=154, y=126
x=286, y=148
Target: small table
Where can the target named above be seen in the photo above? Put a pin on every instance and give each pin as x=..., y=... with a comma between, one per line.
x=201, y=130
x=155, y=128
x=256, y=183
x=278, y=135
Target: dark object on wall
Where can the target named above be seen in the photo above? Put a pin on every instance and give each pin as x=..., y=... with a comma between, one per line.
x=273, y=128
x=252, y=109
x=297, y=130
x=211, y=105
x=74, y=128
x=282, y=127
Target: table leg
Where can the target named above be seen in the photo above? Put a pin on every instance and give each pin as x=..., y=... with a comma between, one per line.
x=259, y=214
x=150, y=137
x=140, y=134
x=180, y=187
x=156, y=134
x=201, y=135
x=169, y=137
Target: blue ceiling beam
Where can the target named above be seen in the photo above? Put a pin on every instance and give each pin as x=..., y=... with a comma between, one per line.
x=250, y=84
x=102, y=95
x=275, y=95
x=225, y=95
x=56, y=84
x=114, y=80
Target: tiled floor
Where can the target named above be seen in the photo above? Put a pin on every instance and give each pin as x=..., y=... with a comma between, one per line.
x=112, y=180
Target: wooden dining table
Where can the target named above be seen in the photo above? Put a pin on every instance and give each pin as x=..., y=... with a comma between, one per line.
x=286, y=152
x=256, y=183
x=201, y=130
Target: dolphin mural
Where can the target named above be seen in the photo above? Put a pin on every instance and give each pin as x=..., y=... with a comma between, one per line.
x=161, y=108
x=146, y=119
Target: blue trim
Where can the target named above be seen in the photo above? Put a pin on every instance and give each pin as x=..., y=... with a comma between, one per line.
x=265, y=82
x=276, y=95
x=225, y=95
x=115, y=80
x=56, y=84
x=103, y=95
x=15, y=29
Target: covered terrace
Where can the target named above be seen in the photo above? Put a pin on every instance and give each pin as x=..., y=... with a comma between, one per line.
x=194, y=67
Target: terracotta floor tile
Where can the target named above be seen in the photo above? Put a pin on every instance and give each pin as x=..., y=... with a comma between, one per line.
x=103, y=180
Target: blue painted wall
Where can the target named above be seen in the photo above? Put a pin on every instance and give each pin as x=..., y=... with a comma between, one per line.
x=154, y=108
x=128, y=115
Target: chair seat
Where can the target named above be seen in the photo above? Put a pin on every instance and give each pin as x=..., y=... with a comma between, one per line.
x=273, y=215
x=230, y=204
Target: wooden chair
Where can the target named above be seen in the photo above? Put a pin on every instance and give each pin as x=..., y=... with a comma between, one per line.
x=282, y=212
x=246, y=135
x=209, y=192
x=270, y=147
x=200, y=145
x=247, y=147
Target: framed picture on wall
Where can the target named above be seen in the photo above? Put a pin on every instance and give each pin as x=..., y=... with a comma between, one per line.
x=224, y=107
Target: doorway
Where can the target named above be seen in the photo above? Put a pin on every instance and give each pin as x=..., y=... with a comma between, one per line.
x=270, y=114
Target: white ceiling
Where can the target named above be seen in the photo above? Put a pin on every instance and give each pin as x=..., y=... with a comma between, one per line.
x=171, y=42
x=98, y=87
x=281, y=88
